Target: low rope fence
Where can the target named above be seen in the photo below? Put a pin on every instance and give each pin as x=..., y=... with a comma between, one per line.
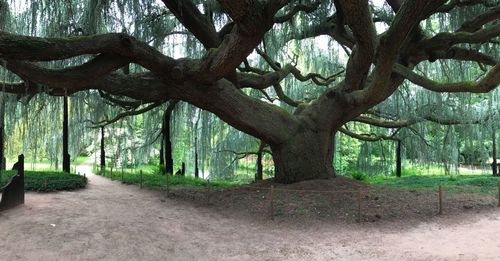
x=357, y=194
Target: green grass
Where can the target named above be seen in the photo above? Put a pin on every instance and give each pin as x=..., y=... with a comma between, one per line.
x=468, y=183
x=150, y=178
x=46, y=181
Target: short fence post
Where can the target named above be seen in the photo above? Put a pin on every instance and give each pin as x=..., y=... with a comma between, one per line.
x=499, y=193
x=141, y=177
x=359, y=204
x=122, y=174
x=208, y=191
x=111, y=173
x=271, y=203
x=440, y=199
x=45, y=183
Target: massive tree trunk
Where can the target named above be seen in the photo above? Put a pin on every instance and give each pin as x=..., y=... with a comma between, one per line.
x=307, y=155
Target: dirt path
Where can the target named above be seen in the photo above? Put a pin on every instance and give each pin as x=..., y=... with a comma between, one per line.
x=111, y=221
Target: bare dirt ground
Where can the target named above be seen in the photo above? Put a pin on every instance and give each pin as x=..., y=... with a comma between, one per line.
x=111, y=221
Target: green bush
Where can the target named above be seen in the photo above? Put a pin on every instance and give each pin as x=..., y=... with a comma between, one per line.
x=358, y=175
x=46, y=181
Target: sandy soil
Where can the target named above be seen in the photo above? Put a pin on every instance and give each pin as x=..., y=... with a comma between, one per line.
x=111, y=221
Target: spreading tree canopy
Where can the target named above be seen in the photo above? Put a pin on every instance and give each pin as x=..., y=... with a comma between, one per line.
x=290, y=73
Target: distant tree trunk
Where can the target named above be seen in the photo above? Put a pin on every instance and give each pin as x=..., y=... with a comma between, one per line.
x=196, y=172
x=494, y=165
x=260, y=153
x=398, y=159
x=162, y=156
x=66, y=157
x=103, y=153
x=168, y=159
x=2, y=131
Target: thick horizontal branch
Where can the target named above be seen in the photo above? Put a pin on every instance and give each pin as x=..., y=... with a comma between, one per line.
x=487, y=83
x=306, y=8
x=445, y=40
x=460, y=3
x=72, y=78
x=367, y=137
x=18, y=47
x=396, y=124
x=477, y=23
x=125, y=114
x=126, y=104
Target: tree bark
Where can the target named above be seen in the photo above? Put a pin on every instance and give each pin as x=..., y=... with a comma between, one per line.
x=66, y=157
x=103, y=152
x=307, y=155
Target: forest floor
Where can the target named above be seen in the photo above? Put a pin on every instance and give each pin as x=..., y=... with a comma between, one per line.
x=112, y=221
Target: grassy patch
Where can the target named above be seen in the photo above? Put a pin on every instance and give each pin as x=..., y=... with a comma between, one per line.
x=466, y=183
x=46, y=181
x=152, y=179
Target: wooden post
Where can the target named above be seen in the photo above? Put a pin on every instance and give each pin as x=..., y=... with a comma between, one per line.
x=359, y=204
x=499, y=193
x=111, y=173
x=440, y=199
x=141, y=178
x=122, y=174
x=208, y=191
x=271, y=203
x=45, y=183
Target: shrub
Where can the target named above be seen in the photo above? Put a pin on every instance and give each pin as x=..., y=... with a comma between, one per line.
x=358, y=176
x=47, y=181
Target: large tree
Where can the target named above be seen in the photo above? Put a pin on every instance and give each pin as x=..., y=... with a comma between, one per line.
x=378, y=63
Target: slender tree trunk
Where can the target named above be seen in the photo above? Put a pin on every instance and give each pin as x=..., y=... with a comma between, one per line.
x=169, y=159
x=260, y=170
x=166, y=142
x=66, y=157
x=494, y=165
x=103, y=153
x=196, y=172
x=2, y=132
x=398, y=159
x=162, y=154
x=307, y=155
